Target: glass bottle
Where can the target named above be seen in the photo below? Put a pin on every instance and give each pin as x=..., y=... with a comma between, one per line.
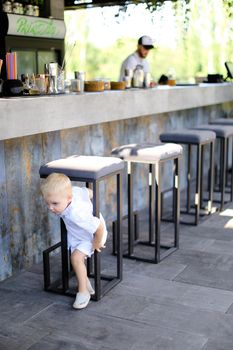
x=171, y=77
x=7, y=6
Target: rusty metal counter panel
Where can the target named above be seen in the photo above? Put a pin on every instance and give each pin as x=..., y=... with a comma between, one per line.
x=26, y=227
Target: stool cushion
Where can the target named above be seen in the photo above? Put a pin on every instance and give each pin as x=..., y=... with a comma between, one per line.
x=222, y=121
x=86, y=167
x=220, y=130
x=148, y=152
x=188, y=136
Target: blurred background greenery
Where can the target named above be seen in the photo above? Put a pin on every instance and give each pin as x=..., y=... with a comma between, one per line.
x=194, y=39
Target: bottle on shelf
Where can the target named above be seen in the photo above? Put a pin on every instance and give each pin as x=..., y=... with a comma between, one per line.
x=27, y=7
x=7, y=6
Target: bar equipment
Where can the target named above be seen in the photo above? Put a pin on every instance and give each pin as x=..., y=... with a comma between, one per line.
x=40, y=83
x=12, y=87
x=1, y=62
x=80, y=76
x=128, y=77
x=61, y=80
x=147, y=80
x=75, y=85
x=53, y=75
x=138, y=77
x=118, y=85
x=171, y=77
x=26, y=83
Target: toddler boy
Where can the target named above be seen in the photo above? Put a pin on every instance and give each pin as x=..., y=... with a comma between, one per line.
x=85, y=232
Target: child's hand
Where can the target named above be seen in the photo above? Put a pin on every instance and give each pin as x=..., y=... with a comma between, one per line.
x=97, y=245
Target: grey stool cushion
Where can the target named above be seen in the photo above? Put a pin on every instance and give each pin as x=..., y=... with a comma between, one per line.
x=148, y=152
x=220, y=130
x=88, y=167
x=188, y=136
x=222, y=121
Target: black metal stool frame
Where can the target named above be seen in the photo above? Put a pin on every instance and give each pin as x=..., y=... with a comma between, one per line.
x=61, y=286
x=154, y=212
x=199, y=178
x=224, y=149
x=225, y=122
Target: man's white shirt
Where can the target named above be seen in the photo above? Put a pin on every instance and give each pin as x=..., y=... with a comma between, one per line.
x=131, y=62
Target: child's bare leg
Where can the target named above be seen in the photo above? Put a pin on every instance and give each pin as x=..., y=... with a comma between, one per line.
x=89, y=287
x=79, y=266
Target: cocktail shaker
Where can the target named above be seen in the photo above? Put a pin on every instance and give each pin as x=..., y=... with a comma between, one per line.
x=138, y=77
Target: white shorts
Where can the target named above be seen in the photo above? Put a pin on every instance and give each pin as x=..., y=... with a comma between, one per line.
x=86, y=246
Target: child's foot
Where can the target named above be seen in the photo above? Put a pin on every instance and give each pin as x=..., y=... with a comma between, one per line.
x=89, y=287
x=82, y=300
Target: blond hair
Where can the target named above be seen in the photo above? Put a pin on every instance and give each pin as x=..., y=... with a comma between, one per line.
x=56, y=183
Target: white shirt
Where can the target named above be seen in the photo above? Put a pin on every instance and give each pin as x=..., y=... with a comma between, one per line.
x=80, y=222
x=131, y=62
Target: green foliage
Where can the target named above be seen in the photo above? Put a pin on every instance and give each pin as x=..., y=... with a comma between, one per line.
x=154, y=5
x=202, y=43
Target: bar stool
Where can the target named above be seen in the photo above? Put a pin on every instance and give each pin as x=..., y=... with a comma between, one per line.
x=222, y=121
x=88, y=169
x=225, y=121
x=223, y=133
x=199, y=139
x=154, y=155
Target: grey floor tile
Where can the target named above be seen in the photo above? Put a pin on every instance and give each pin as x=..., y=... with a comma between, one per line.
x=207, y=298
x=219, y=343
x=208, y=276
x=217, y=220
x=20, y=309
x=196, y=243
x=167, y=292
x=36, y=268
x=188, y=319
x=20, y=337
x=58, y=342
x=115, y=332
x=178, y=341
x=163, y=270
x=23, y=281
x=183, y=303
x=194, y=257
x=220, y=247
x=99, y=330
x=230, y=310
x=210, y=232
x=121, y=305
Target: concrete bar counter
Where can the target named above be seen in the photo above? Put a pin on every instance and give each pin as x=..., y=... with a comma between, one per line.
x=33, y=115
x=35, y=130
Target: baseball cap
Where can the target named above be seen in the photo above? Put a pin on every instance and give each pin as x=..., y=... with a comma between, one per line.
x=146, y=42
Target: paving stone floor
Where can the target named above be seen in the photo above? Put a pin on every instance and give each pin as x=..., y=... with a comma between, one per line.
x=183, y=303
